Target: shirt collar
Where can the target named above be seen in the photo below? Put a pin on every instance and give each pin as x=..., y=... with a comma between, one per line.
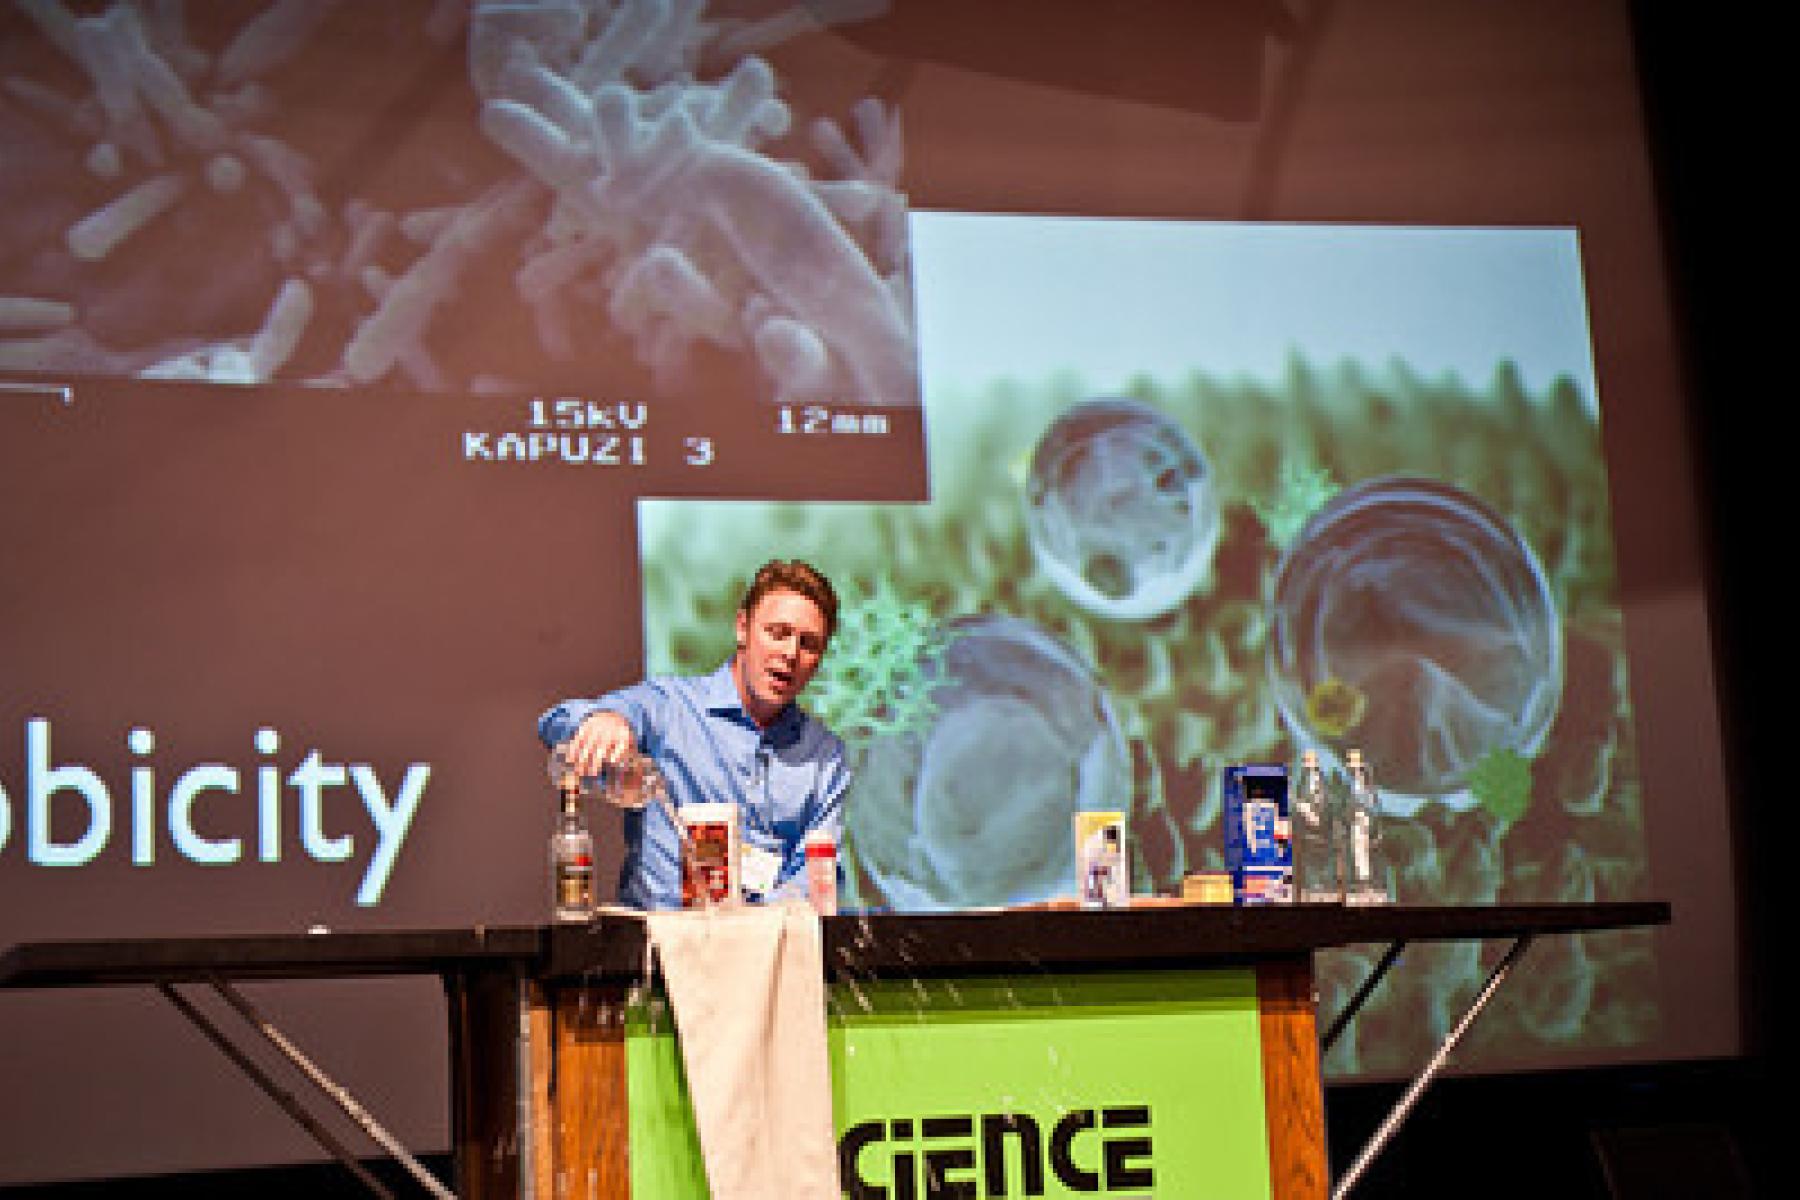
x=720, y=695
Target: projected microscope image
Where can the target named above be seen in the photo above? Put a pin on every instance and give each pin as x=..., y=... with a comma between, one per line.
x=633, y=196
x=1137, y=569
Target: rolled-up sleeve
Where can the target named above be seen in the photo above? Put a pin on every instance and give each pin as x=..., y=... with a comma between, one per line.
x=638, y=704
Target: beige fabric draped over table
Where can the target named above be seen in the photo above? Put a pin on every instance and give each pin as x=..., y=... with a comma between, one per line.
x=748, y=990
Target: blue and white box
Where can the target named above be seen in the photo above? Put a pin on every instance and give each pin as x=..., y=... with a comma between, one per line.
x=1259, y=851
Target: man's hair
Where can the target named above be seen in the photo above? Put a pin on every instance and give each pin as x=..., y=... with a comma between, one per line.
x=793, y=575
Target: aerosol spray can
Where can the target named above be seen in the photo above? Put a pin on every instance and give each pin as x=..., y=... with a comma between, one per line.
x=822, y=872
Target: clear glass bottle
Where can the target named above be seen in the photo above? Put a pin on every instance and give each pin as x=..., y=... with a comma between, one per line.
x=1366, y=878
x=1315, y=820
x=571, y=857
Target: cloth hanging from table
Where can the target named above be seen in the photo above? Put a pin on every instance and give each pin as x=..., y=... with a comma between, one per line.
x=748, y=991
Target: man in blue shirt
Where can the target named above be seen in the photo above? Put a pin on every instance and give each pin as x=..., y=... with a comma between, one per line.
x=734, y=736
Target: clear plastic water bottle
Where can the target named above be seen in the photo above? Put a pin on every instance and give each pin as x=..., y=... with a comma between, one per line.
x=1366, y=878
x=571, y=857
x=1315, y=819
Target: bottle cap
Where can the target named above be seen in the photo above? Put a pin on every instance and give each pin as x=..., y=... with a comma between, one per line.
x=819, y=844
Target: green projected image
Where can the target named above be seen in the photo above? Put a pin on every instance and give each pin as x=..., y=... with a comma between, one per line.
x=1215, y=494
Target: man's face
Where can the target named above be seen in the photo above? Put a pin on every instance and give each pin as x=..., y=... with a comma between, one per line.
x=779, y=643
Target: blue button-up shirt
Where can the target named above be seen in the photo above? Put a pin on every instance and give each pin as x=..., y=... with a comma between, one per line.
x=786, y=780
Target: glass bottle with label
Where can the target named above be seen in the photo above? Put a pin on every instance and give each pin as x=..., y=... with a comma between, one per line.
x=571, y=857
x=1366, y=878
x=1318, y=849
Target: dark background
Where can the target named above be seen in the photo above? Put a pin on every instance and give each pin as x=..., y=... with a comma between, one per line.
x=1694, y=1128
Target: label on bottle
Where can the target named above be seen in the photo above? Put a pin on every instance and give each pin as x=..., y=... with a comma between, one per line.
x=575, y=883
x=575, y=889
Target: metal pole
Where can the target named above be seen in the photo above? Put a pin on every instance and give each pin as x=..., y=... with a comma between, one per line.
x=1350, y=1010
x=333, y=1091
x=283, y=1098
x=1411, y=1097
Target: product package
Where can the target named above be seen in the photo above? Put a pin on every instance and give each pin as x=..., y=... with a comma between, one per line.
x=1207, y=887
x=713, y=876
x=1102, y=871
x=1258, y=851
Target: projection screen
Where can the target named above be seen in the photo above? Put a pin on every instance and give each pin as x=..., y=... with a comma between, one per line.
x=1166, y=385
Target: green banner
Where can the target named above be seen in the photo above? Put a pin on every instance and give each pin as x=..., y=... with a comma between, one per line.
x=1115, y=1086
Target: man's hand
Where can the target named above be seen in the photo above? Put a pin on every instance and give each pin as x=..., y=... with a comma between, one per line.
x=603, y=740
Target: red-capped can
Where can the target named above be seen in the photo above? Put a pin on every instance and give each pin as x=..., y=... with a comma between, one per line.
x=821, y=872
